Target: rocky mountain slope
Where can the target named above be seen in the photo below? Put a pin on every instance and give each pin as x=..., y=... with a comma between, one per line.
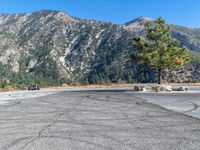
x=187, y=36
x=51, y=47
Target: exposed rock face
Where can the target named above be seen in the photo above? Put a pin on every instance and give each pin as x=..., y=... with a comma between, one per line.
x=73, y=47
x=137, y=24
x=53, y=44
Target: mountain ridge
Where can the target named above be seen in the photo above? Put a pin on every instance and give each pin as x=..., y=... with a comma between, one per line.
x=78, y=18
x=51, y=47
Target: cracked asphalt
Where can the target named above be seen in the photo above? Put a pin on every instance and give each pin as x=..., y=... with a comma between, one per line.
x=95, y=120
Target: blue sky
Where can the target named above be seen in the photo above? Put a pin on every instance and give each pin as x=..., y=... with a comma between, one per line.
x=181, y=12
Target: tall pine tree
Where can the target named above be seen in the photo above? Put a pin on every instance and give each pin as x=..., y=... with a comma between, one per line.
x=158, y=50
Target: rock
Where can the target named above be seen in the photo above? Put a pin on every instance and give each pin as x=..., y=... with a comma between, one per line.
x=165, y=88
x=139, y=88
x=144, y=90
x=155, y=89
x=187, y=88
x=182, y=88
x=162, y=88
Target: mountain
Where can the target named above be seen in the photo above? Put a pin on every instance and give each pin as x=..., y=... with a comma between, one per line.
x=188, y=37
x=51, y=48
x=137, y=24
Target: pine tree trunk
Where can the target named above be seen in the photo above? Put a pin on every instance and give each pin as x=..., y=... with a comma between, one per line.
x=159, y=77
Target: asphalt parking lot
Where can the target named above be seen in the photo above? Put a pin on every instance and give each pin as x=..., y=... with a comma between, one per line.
x=184, y=102
x=95, y=120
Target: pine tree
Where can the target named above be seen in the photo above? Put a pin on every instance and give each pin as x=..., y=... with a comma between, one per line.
x=158, y=50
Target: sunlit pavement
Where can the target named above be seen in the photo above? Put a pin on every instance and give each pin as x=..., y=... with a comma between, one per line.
x=184, y=102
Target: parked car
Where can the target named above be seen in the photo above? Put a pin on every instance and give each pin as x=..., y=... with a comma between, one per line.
x=34, y=87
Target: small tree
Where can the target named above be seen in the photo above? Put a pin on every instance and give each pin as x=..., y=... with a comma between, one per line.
x=158, y=50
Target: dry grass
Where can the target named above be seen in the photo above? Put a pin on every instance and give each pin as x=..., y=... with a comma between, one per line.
x=9, y=88
x=89, y=86
x=110, y=85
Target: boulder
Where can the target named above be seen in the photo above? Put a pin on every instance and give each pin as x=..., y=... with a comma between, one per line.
x=162, y=88
x=139, y=88
x=182, y=88
x=165, y=88
x=155, y=89
x=187, y=88
x=144, y=90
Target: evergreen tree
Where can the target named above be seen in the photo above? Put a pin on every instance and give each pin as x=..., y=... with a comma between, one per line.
x=158, y=50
